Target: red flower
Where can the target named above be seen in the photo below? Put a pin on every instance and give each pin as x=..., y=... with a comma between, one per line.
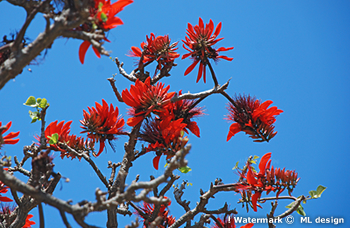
x=252, y=117
x=267, y=179
x=164, y=137
x=102, y=123
x=147, y=211
x=186, y=110
x=61, y=129
x=103, y=13
x=200, y=41
x=144, y=98
x=83, y=49
x=8, y=139
x=79, y=144
x=4, y=189
x=157, y=48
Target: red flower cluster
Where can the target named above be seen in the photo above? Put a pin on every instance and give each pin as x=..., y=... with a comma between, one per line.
x=102, y=123
x=163, y=137
x=229, y=222
x=200, y=41
x=252, y=117
x=63, y=130
x=186, y=110
x=8, y=139
x=158, y=49
x=103, y=13
x=144, y=99
x=267, y=179
x=148, y=209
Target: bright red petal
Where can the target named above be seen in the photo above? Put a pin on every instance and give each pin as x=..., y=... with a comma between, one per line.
x=156, y=162
x=193, y=127
x=249, y=225
x=255, y=198
x=82, y=50
x=97, y=53
x=263, y=161
x=190, y=68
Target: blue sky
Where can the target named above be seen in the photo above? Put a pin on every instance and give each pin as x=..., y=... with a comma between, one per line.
x=295, y=53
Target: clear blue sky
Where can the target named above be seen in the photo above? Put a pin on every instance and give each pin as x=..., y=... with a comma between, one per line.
x=295, y=53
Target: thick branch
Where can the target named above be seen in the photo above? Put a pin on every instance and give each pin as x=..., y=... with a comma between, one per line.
x=23, y=56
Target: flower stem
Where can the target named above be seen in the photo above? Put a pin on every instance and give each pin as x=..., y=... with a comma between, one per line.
x=213, y=74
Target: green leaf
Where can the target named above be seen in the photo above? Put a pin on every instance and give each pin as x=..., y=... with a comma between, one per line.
x=104, y=17
x=31, y=102
x=53, y=138
x=38, y=100
x=301, y=211
x=34, y=116
x=185, y=169
x=320, y=189
x=312, y=194
x=317, y=194
x=253, y=162
x=255, y=157
x=43, y=103
x=236, y=166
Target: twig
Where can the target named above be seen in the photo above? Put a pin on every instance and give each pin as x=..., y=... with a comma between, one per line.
x=115, y=90
x=15, y=197
x=88, y=159
x=23, y=30
x=64, y=218
x=216, y=221
x=293, y=208
x=219, y=89
x=216, y=83
x=130, y=77
x=41, y=216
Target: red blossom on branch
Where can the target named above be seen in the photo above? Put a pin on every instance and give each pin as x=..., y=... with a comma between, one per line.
x=186, y=110
x=63, y=130
x=9, y=138
x=156, y=49
x=252, y=117
x=199, y=42
x=163, y=137
x=267, y=179
x=103, y=13
x=147, y=211
x=144, y=99
x=102, y=123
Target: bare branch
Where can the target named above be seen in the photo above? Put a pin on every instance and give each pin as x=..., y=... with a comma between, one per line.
x=191, y=96
x=130, y=77
x=64, y=218
x=88, y=159
x=115, y=90
x=293, y=208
